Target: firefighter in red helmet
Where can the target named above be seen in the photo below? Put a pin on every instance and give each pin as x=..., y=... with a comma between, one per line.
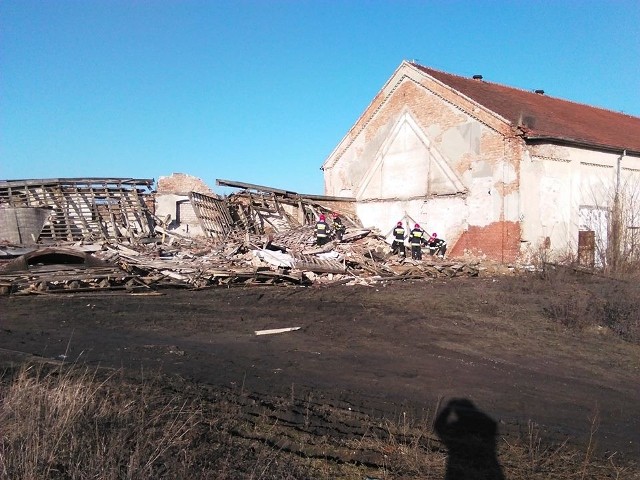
x=322, y=230
x=338, y=227
x=437, y=246
x=416, y=239
x=398, y=240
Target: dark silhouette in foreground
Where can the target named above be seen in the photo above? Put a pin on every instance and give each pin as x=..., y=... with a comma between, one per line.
x=470, y=438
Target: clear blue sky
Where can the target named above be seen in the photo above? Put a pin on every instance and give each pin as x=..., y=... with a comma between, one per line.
x=262, y=91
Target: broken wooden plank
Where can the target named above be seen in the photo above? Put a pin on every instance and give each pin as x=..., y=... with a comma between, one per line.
x=318, y=265
x=277, y=330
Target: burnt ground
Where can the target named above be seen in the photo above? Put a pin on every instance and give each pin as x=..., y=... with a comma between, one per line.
x=388, y=349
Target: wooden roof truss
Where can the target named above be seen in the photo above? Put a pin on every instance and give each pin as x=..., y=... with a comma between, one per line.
x=85, y=209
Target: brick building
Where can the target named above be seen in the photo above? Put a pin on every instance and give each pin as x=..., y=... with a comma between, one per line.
x=498, y=172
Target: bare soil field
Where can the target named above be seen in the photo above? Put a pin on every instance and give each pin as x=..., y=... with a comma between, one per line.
x=392, y=350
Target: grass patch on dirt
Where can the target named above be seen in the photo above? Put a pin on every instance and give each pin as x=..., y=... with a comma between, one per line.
x=579, y=301
x=69, y=422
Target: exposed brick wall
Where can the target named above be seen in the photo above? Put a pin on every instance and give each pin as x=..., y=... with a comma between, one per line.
x=493, y=168
x=186, y=214
x=498, y=241
x=345, y=208
x=181, y=183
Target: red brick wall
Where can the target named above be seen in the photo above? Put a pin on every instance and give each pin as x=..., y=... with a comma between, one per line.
x=181, y=183
x=498, y=241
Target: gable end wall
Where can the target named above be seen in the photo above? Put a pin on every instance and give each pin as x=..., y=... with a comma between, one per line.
x=485, y=219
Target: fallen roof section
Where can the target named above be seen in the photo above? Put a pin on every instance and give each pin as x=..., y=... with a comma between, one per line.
x=74, y=209
x=213, y=214
x=261, y=209
x=286, y=193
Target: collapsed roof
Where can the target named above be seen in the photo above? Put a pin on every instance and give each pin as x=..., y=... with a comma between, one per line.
x=258, y=235
x=74, y=209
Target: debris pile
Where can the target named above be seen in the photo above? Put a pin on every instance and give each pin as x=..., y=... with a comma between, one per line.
x=252, y=238
x=193, y=264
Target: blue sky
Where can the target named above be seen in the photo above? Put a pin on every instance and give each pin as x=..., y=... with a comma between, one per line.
x=262, y=91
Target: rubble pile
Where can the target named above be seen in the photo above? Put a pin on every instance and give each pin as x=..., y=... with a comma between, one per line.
x=101, y=235
x=363, y=257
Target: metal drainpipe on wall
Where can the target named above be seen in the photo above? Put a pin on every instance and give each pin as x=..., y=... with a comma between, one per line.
x=616, y=214
x=504, y=198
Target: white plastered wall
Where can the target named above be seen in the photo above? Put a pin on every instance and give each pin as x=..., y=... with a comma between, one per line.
x=444, y=216
x=410, y=180
x=566, y=189
x=427, y=171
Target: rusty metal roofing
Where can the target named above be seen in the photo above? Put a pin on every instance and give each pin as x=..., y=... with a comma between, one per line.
x=542, y=117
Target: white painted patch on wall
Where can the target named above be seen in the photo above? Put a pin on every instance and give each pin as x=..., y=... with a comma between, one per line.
x=461, y=140
x=553, y=202
x=512, y=207
x=596, y=184
x=481, y=202
x=505, y=172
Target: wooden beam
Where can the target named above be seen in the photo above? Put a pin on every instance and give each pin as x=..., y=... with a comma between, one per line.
x=277, y=330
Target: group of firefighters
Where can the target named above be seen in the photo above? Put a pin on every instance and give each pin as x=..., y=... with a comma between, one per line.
x=324, y=233
x=417, y=237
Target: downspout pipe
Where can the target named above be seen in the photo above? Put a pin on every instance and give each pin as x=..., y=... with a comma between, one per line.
x=617, y=220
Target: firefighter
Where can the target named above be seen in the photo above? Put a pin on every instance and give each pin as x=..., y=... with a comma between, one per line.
x=416, y=239
x=338, y=227
x=322, y=231
x=398, y=240
x=437, y=246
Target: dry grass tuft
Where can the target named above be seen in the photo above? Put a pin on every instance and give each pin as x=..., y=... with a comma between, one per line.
x=65, y=423
x=579, y=300
x=68, y=422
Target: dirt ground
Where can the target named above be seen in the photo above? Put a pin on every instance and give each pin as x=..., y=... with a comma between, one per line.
x=389, y=349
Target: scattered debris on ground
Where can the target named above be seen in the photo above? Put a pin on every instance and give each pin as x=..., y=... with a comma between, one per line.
x=205, y=263
x=102, y=234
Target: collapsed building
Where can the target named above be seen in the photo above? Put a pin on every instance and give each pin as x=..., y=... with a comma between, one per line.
x=129, y=210
x=498, y=171
x=74, y=235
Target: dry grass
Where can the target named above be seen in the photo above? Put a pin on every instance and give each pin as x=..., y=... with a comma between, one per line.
x=592, y=302
x=71, y=423
x=67, y=424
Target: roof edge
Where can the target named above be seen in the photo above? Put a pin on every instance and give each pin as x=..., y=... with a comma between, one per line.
x=419, y=68
x=337, y=152
x=344, y=139
x=581, y=143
